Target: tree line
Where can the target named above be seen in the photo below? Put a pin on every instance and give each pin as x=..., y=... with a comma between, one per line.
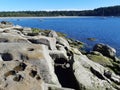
x=103, y=11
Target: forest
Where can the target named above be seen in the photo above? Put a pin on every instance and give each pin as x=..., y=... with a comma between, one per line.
x=102, y=11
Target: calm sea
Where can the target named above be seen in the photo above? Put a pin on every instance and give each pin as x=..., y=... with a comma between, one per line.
x=105, y=30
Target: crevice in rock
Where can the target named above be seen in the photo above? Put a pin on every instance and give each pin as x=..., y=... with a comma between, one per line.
x=3, y=40
x=31, y=49
x=96, y=73
x=65, y=73
x=34, y=41
x=7, y=57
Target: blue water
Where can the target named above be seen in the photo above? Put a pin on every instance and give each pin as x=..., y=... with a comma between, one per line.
x=105, y=30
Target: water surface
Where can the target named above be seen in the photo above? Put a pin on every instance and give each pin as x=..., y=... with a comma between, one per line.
x=105, y=30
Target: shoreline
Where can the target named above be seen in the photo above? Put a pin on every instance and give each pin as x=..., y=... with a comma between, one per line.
x=43, y=17
x=56, y=17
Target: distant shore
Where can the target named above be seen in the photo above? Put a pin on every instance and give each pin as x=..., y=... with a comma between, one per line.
x=45, y=17
x=54, y=17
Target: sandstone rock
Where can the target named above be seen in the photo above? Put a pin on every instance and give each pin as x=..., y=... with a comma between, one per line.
x=105, y=61
x=96, y=53
x=58, y=54
x=14, y=78
x=76, y=51
x=27, y=30
x=53, y=34
x=75, y=43
x=32, y=53
x=90, y=75
x=13, y=31
x=106, y=50
x=50, y=42
x=39, y=62
x=13, y=37
x=5, y=24
x=19, y=28
x=53, y=87
x=63, y=42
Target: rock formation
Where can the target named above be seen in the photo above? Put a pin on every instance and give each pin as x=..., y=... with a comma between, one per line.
x=46, y=61
x=106, y=50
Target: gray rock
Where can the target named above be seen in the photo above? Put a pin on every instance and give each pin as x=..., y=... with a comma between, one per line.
x=19, y=28
x=63, y=42
x=25, y=60
x=12, y=37
x=37, y=55
x=54, y=87
x=27, y=30
x=53, y=34
x=5, y=24
x=106, y=50
x=96, y=53
x=58, y=54
x=90, y=75
x=48, y=41
x=12, y=77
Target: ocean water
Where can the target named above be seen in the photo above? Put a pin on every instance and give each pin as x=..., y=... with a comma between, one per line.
x=105, y=29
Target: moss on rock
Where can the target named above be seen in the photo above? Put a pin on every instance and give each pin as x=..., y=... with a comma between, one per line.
x=100, y=59
x=115, y=67
x=75, y=43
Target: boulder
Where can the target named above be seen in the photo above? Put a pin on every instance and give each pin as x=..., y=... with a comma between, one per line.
x=106, y=50
x=90, y=75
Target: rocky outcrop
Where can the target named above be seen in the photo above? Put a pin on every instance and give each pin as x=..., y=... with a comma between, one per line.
x=91, y=76
x=5, y=24
x=99, y=58
x=50, y=62
x=106, y=56
x=106, y=50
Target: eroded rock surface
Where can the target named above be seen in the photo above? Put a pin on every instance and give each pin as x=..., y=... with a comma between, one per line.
x=15, y=75
x=48, y=62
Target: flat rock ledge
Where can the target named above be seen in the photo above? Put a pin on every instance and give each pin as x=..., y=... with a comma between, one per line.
x=46, y=61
